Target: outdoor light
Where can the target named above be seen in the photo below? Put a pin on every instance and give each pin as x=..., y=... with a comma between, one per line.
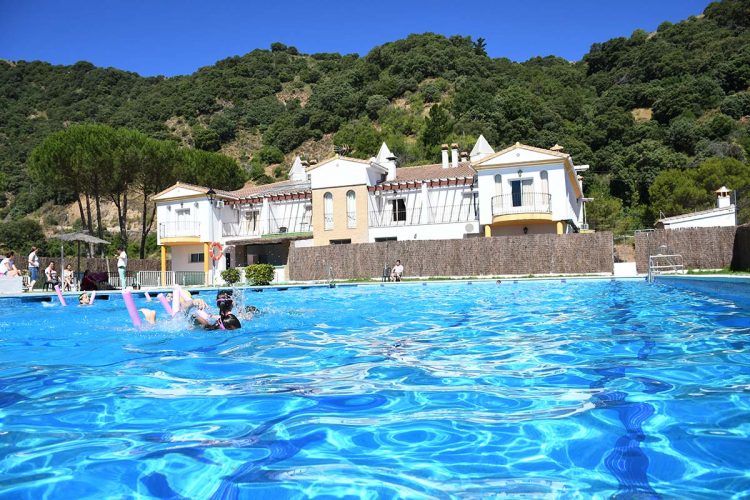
x=525, y=230
x=520, y=173
x=211, y=195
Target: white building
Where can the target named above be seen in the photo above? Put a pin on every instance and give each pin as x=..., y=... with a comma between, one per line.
x=519, y=190
x=725, y=214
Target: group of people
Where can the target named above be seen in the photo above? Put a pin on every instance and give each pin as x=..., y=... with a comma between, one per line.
x=52, y=277
x=197, y=311
x=8, y=269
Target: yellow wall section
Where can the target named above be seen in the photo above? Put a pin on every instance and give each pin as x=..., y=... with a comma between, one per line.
x=163, y=265
x=340, y=231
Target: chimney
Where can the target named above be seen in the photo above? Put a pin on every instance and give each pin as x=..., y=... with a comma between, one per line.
x=722, y=197
x=464, y=156
x=391, y=165
x=444, y=152
x=454, y=155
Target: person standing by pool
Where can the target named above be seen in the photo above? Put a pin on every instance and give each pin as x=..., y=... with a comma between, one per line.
x=33, y=267
x=122, y=265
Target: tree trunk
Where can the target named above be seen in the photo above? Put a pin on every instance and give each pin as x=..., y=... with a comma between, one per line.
x=88, y=212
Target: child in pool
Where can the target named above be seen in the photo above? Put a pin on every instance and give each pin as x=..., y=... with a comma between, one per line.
x=84, y=299
x=225, y=320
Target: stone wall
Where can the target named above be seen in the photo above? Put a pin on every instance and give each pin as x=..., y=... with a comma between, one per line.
x=741, y=258
x=503, y=255
x=700, y=247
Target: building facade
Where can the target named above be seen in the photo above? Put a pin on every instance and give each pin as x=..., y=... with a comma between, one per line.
x=342, y=200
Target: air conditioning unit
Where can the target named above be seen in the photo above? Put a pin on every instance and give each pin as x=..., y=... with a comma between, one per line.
x=470, y=228
x=584, y=226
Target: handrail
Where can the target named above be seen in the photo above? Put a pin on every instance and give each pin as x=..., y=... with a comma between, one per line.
x=521, y=203
x=663, y=264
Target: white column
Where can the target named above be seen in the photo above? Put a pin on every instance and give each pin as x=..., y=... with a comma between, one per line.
x=265, y=217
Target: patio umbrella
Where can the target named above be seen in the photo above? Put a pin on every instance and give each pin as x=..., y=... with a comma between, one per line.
x=77, y=237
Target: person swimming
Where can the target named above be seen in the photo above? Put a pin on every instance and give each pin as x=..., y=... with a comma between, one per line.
x=84, y=299
x=226, y=320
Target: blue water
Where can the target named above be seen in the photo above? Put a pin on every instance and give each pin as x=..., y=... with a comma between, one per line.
x=556, y=388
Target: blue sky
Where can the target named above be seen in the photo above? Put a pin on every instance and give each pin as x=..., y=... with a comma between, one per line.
x=172, y=37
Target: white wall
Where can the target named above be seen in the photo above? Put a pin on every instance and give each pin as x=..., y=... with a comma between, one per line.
x=199, y=211
x=562, y=201
x=341, y=172
x=721, y=219
x=181, y=257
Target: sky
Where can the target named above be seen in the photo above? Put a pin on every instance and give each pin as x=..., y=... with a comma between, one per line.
x=176, y=37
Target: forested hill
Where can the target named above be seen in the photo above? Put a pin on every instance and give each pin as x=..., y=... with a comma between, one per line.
x=662, y=117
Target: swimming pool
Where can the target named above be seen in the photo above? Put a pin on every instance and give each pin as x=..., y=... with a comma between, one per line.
x=550, y=388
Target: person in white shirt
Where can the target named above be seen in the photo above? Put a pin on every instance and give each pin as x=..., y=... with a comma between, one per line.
x=122, y=265
x=33, y=267
x=8, y=266
x=397, y=272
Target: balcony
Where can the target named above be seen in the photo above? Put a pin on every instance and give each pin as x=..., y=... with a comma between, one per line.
x=521, y=203
x=415, y=216
x=179, y=229
x=254, y=228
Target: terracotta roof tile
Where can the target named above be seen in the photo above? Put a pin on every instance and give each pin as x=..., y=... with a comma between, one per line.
x=282, y=187
x=434, y=171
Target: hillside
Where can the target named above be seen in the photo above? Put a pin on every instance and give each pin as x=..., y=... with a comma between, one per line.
x=643, y=111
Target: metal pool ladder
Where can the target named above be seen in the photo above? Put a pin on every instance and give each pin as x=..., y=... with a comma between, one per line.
x=664, y=264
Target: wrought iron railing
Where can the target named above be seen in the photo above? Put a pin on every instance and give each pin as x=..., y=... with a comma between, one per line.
x=275, y=226
x=422, y=215
x=521, y=203
x=179, y=228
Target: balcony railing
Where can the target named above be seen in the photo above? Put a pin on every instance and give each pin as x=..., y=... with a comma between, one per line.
x=521, y=203
x=422, y=215
x=249, y=228
x=179, y=228
x=244, y=228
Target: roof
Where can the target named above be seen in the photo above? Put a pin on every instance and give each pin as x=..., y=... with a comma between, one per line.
x=282, y=187
x=518, y=145
x=195, y=187
x=434, y=171
x=337, y=157
x=696, y=215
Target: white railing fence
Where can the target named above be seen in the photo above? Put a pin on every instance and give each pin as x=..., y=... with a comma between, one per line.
x=170, y=278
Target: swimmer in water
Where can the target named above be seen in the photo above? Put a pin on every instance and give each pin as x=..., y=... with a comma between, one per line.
x=225, y=320
x=84, y=299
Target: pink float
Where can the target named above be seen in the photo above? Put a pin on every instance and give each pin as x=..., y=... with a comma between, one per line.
x=148, y=297
x=93, y=296
x=176, y=299
x=202, y=314
x=165, y=304
x=130, y=305
x=60, y=295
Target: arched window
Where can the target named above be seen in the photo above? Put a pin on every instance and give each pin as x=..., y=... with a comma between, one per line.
x=351, y=209
x=545, y=181
x=498, y=185
x=328, y=210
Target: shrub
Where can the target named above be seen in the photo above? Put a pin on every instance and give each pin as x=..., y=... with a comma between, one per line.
x=259, y=274
x=231, y=276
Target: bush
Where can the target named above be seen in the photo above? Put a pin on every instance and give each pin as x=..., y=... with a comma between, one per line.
x=231, y=276
x=259, y=274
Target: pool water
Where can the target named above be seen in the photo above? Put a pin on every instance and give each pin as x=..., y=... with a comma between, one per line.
x=551, y=388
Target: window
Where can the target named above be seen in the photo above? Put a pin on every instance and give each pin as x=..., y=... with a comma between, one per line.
x=498, y=185
x=328, y=211
x=351, y=209
x=340, y=242
x=545, y=181
x=399, y=209
x=197, y=257
x=386, y=238
x=521, y=192
x=183, y=212
x=515, y=193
